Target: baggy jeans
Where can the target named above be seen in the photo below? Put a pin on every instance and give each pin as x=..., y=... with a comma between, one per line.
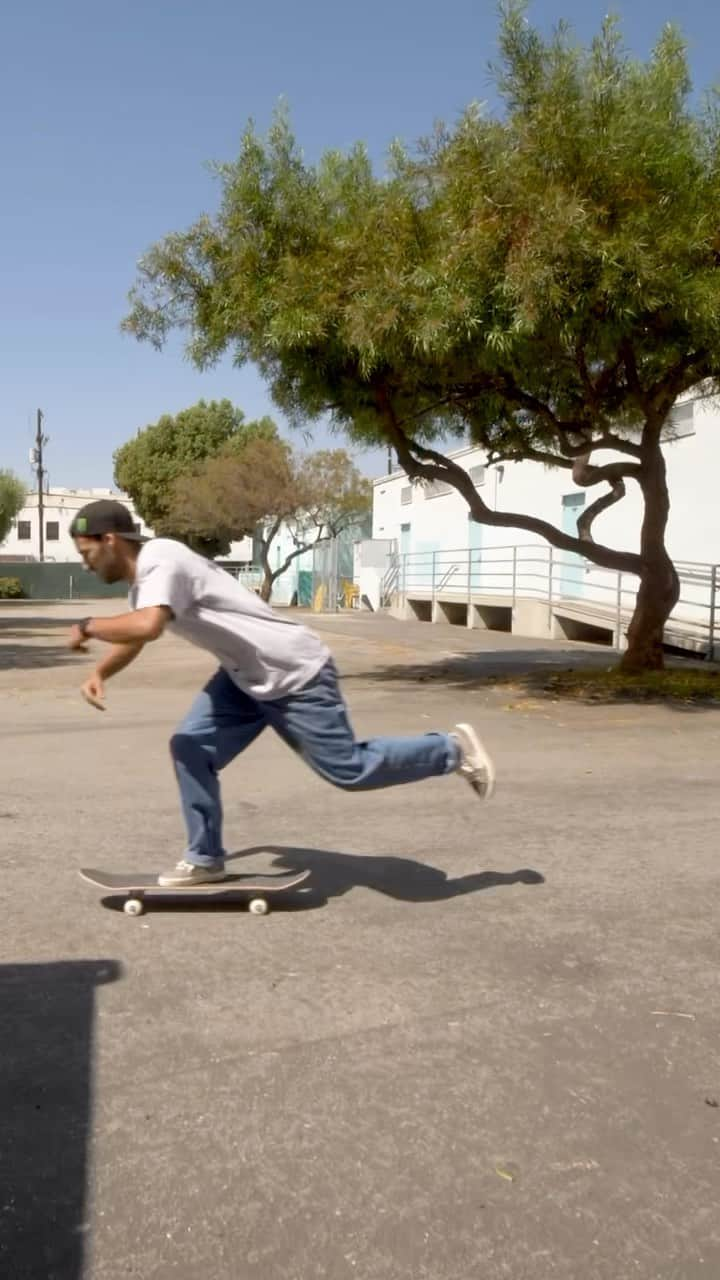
x=223, y=721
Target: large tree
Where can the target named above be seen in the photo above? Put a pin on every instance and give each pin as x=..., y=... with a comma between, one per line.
x=264, y=485
x=12, y=500
x=543, y=283
x=148, y=466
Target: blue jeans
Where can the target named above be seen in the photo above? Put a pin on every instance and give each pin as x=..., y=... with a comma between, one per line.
x=223, y=721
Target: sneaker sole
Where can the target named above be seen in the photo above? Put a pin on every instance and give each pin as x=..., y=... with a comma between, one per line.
x=484, y=790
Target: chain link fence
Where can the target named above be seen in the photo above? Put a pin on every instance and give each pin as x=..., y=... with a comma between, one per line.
x=332, y=575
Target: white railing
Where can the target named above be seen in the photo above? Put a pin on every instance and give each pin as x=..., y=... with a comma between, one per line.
x=604, y=597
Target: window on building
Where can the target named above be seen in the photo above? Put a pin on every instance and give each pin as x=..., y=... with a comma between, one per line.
x=24, y=531
x=477, y=475
x=52, y=531
x=437, y=489
x=137, y=526
x=406, y=495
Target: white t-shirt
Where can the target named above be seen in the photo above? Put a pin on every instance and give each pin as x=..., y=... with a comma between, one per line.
x=265, y=653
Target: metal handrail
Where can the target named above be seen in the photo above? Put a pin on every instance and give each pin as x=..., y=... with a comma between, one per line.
x=453, y=569
x=536, y=572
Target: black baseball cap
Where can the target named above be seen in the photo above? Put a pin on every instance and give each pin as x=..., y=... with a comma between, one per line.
x=105, y=516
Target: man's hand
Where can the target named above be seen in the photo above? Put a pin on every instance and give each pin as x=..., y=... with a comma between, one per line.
x=77, y=640
x=93, y=691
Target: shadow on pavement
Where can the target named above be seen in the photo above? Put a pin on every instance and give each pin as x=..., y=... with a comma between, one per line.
x=537, y=674
x=470, y=670
x=334, y=874
x=24, y=644
x=46, y=1039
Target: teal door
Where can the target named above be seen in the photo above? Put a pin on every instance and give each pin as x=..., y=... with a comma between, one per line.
x=572, y=566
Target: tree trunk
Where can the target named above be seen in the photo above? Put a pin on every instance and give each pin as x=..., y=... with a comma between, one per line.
x=657, y=596
x=659, y=583
x=268, y=576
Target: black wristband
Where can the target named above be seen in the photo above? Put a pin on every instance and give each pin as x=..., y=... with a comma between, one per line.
x=83, y=626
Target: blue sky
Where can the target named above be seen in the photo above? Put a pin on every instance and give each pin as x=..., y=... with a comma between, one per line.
x=110, y=113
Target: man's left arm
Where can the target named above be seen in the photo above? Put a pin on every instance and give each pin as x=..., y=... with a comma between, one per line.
x=141, y=624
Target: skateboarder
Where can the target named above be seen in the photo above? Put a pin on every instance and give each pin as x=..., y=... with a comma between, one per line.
x=272, y=672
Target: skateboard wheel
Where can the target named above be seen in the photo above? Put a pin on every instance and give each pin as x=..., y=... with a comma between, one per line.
x=133, y=907
x=258, y=906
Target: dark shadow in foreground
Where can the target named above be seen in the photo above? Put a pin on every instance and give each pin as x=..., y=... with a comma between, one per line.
x=46, y=1039
x=334, y=874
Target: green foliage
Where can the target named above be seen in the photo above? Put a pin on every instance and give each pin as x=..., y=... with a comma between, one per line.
x=148, y=466
x=11, y=589
x=543, y=283
x=507, y=259
x=12, y=500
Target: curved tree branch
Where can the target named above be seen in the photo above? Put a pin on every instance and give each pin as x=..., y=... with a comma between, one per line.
x=531, y=455
x=585, y=521
x=562, y=429
x=421, y=462
x=585, y=474
x=615, y=473
x=609, y=440
x=663, y=393
x=504, y=384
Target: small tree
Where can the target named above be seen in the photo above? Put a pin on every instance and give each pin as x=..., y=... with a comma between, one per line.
x=148, y=466
x=12, y=500
x=544, y=284
x=260, y=487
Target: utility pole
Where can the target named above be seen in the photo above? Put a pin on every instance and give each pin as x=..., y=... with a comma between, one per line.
x=36, y=457
x=389, y=460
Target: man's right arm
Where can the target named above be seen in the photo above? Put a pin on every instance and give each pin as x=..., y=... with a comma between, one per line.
x=116, y=659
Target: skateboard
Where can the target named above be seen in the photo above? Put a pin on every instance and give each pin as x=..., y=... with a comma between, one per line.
x=136, y=887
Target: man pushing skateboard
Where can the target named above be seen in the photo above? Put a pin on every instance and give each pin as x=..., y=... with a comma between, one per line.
x=272, y=672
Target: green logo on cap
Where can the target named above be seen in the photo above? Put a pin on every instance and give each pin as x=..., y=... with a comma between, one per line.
x=81, y=524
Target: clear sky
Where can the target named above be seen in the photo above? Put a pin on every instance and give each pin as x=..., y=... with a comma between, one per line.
x=110, y=112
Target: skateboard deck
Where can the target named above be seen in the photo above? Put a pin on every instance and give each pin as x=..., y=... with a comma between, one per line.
x=136, y=887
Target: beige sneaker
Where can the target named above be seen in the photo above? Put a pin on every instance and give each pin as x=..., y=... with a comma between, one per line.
x=187, y=874
x=475, y=763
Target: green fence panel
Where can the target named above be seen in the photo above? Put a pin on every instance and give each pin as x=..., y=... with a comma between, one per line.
x=67, y=581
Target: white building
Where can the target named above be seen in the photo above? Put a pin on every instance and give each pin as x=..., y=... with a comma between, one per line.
x=448, y=568
x=60, y=506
